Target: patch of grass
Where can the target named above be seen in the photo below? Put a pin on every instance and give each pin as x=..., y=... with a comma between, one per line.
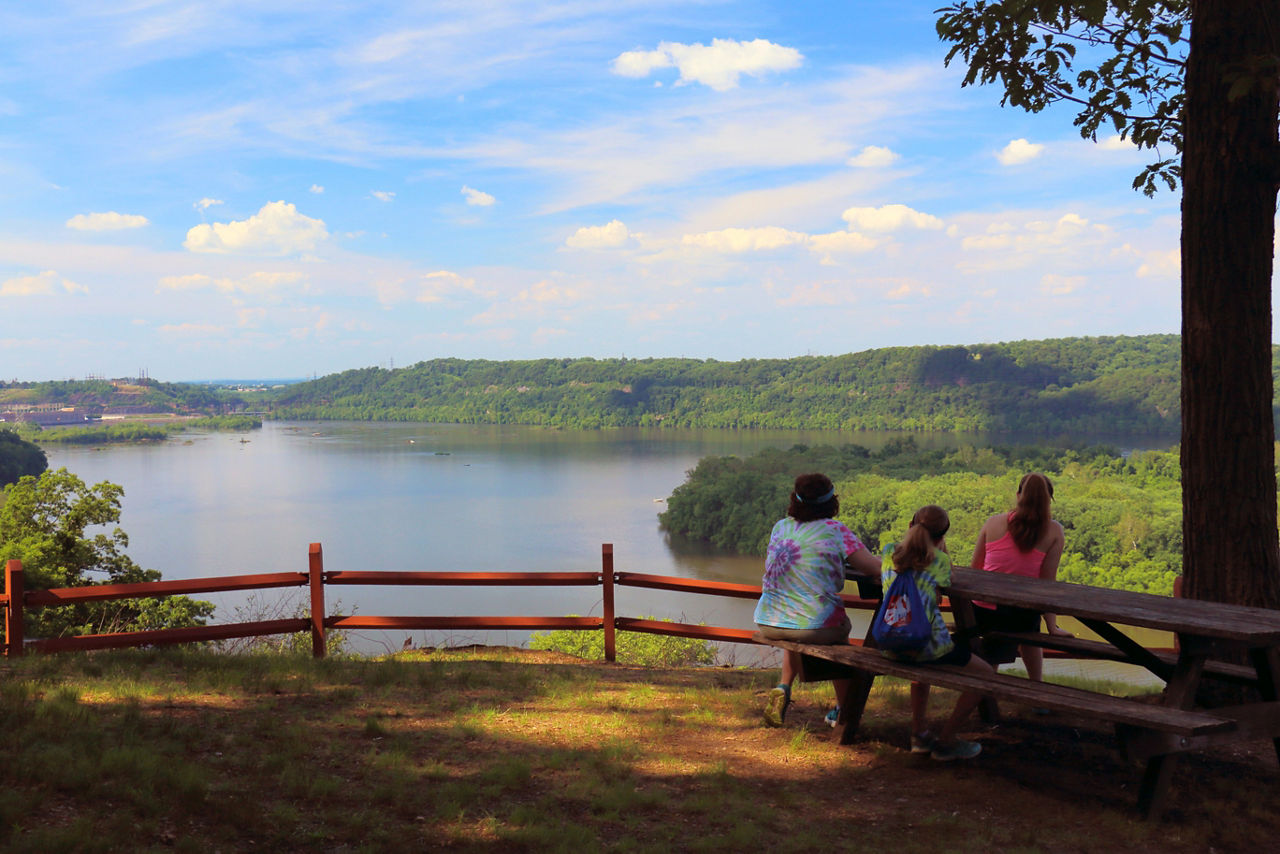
x=482, y=750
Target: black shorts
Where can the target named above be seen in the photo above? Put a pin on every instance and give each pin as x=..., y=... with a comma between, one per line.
x=959, y=655
x=1006, y=618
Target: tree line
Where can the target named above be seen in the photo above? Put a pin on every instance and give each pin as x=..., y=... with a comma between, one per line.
x=1120, y=384
x=1122, y=515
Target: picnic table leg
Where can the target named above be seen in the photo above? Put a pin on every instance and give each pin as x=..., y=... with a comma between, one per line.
x=1179, y=693
x=1266, y=661
x=967, y=627
x=853, y=704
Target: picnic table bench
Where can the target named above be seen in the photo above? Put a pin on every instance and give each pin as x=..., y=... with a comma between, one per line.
x=1153, y=732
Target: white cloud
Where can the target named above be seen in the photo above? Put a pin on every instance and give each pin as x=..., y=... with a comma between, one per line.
x=889, y=218
x=718, y=65
x=317, y=189
x=873, y=157
x=738, y=240
x=109, y=221
x=841, y=242
x=1056, y=285
x=206, y=203
x=1116, y=143
x=608, y=236
x=548, y=292
x=187, y=330
x=382, y=195
x=1167, y=264
x=438, y=285
x=253, y=284
x=1019, y=151
x=47, y=283
x=477, y=197
x=277, y=229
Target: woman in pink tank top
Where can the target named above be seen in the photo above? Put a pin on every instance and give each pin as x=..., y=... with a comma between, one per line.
x=1026, y=541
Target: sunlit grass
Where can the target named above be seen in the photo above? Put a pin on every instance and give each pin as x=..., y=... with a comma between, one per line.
x=183, y=750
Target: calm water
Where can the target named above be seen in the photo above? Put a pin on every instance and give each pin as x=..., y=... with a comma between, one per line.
x=430, y=497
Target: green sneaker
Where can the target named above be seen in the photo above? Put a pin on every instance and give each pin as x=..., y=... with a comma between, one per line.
x=775, y=708
x=958, y=749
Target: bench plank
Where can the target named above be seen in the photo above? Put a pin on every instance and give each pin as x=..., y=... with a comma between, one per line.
x=1118, y=710
x=1085, y=648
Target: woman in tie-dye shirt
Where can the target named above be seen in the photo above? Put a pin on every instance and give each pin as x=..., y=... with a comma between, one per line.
x=804, y=574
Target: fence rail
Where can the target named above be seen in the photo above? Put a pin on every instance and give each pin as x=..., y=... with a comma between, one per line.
x=16, y=599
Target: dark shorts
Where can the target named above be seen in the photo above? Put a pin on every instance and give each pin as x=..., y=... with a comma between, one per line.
x=959, y=655
x=1006, y=618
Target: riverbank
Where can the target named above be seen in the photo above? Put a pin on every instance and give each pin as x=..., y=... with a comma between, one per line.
x=504, y=749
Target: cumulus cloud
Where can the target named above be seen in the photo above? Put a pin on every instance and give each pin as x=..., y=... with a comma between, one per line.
x=277, y=229
x=873, y=157
x=718, y=65
x=608, y=236
x=206, y=203
x=382, y=195
x=841, y=242
x=889, y=218
x=1019, y=151
x=108, y=221
x=477, y=197
x=738, y=240
x=47, y=283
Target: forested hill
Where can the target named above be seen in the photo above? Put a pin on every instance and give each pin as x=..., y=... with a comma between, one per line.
x=1107, y=384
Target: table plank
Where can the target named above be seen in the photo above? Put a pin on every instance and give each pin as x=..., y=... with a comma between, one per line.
x=1237, y=623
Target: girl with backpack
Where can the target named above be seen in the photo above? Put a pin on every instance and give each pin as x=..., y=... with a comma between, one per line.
x=922, y=555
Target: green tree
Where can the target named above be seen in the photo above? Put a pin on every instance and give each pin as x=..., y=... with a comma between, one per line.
x=1199, y=76
x=19, y=457
x=45, y=522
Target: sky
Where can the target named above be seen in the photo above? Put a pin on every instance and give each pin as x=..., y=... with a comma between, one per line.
x=199, y=189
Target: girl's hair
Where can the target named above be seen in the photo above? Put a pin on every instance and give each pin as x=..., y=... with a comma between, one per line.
x=813, y=497
x=1032, y=516
x=928, y=527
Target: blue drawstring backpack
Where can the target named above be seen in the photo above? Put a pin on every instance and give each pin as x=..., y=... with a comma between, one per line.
x=901, y=624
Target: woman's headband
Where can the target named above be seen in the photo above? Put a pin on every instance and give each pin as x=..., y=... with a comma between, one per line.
x=823, y=500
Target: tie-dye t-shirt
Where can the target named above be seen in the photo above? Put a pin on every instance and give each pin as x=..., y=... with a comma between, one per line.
x=804, y=574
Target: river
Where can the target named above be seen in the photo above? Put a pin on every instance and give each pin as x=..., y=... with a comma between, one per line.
x=393, y=496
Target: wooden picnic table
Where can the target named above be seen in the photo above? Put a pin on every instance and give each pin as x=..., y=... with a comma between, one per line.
x=1206, y=631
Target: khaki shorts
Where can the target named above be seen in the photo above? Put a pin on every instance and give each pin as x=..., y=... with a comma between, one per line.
x=823, y=635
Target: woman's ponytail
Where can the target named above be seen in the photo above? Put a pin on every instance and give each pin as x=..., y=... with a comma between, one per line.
x=1032, y=515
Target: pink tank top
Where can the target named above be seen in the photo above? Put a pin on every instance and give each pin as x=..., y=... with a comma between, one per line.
x=1003, y=556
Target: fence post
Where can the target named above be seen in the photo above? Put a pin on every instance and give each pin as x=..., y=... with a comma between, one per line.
x=13, y=620
x=606, y=576
x=315, y=567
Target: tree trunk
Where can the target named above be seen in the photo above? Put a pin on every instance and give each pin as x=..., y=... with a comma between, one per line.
x=1230, y=549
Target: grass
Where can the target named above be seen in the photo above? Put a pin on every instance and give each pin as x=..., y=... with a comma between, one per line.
x=515, y=750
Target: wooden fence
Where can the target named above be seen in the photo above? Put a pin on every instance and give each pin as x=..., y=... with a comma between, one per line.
x=16, y=600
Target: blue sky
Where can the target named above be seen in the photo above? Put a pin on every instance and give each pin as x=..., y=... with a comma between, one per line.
x=281, y=189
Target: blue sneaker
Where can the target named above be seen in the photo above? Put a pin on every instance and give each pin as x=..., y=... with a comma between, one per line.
x=958, y=749
x=833, y=717
x=775, y=708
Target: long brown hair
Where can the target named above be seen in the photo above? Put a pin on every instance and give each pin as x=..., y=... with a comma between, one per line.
x=928, y=527
x=1032, y=515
